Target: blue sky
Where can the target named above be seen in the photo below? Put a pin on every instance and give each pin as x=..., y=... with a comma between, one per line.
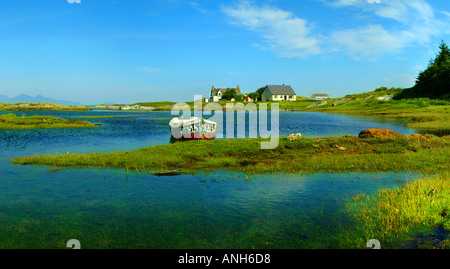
x=117, y=51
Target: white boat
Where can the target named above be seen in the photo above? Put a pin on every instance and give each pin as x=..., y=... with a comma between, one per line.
x=194, y=127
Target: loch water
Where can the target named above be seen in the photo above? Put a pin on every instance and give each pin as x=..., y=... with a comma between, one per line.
x=113, y=208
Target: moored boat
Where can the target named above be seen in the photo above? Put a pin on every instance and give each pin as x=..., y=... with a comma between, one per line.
x=193, y=128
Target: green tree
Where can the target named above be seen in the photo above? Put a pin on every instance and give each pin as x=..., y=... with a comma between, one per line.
x=239, y=98
x=260, y=92
x=254, y=95
x=434, y=82
x=229, y=94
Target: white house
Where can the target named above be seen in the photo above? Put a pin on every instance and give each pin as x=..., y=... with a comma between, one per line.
x=217, y=93
x=319, y=96
x=278, y=93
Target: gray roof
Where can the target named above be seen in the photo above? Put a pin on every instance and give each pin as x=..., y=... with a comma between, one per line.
x=280, y=89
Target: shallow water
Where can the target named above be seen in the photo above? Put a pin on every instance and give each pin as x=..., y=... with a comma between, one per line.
x=108, y=208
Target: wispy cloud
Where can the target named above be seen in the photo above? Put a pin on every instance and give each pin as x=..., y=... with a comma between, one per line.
x=149, y=69
x=284, y=33
x=197, y=7
x=397, y=24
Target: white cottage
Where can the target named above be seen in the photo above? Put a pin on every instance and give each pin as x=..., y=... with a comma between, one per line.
x=278, y=93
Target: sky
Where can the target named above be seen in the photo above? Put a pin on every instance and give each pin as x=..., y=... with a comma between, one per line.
x=119, y=51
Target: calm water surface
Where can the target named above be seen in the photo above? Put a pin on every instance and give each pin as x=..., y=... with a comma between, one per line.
x=108, y=208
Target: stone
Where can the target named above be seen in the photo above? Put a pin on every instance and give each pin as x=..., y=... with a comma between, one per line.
x=292, y=137
x=379, y=133
x=385, y=98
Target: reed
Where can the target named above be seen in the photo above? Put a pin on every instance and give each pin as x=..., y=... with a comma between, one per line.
x=391, y=216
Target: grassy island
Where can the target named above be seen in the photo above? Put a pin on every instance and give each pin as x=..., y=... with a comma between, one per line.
x=334, y=154
x=11, y=121
x=41, y=107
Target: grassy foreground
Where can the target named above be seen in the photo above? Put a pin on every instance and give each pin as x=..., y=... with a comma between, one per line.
x=11, y=121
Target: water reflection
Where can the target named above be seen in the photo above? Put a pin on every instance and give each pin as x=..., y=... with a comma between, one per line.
x=108, y=208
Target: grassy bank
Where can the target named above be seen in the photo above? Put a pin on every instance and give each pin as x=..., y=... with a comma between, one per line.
x=11, y=121
x=308, y=155
x=429, y=115
x=392, y=216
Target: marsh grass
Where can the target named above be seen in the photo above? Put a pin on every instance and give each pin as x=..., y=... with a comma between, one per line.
x=11, y=121
x=308, y=155
x=391, y=216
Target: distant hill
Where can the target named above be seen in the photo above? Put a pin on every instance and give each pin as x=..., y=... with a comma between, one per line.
x=23, y=98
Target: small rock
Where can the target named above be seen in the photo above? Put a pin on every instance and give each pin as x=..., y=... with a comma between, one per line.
x=385, y=98
x=294, y=137
x=339, y=147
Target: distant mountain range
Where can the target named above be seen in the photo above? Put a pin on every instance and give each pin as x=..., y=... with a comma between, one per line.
x=23, y=98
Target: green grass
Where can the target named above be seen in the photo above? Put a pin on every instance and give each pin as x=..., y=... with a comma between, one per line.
x=392, y=216
x=11, y=121
x=307, y=155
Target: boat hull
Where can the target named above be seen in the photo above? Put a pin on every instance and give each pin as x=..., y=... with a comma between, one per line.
x=193, y=129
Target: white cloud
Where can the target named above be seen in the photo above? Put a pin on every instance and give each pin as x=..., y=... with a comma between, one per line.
x=398, y=24
x=285, y=33
x=368, y=42
x=410, y=21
